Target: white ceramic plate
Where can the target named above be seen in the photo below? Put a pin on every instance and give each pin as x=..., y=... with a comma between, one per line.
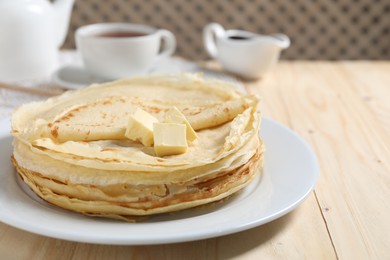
x=290, y=173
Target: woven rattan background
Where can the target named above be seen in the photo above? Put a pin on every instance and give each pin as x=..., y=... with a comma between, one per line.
x=319, y=29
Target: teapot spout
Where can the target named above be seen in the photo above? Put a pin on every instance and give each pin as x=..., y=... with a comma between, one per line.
x=62, y=10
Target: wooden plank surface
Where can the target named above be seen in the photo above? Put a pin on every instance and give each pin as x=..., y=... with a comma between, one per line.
x=324, y=102
x=342, y=109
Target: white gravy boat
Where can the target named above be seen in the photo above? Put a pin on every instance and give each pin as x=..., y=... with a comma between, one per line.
x=246, y=54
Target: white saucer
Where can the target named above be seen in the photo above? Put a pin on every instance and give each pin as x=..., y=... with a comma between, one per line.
x=76, y=76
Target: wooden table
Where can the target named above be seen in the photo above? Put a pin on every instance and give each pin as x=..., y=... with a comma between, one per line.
x=343, y=110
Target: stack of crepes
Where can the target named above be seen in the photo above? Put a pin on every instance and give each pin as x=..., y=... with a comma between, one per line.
x=71, y=150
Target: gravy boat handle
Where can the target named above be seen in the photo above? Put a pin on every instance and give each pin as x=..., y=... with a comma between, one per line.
x=210, y=33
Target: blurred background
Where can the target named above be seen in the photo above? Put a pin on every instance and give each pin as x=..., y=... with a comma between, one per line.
x=319, y=29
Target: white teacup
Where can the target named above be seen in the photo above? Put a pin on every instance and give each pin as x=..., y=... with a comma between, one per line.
x=244, y=53
x=118, y=50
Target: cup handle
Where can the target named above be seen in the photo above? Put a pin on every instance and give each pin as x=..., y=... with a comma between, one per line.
x=169, y=45
x=210, y=33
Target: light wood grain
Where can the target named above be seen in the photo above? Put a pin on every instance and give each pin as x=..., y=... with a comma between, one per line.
x=320, y=101
x=342, y=109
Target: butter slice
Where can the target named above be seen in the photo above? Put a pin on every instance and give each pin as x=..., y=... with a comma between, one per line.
x=169, y=139
x=173, y=115
x=140, y=127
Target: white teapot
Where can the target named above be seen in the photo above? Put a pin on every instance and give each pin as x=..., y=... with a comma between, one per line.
x=31, y=32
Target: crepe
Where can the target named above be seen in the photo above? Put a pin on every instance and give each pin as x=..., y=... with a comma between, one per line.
x=72, y=152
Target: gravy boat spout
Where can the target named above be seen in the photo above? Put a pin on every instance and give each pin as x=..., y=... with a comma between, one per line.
x=281, y=40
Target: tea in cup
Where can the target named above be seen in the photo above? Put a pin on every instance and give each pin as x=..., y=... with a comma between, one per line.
x=246, y=54
x=117, y=50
